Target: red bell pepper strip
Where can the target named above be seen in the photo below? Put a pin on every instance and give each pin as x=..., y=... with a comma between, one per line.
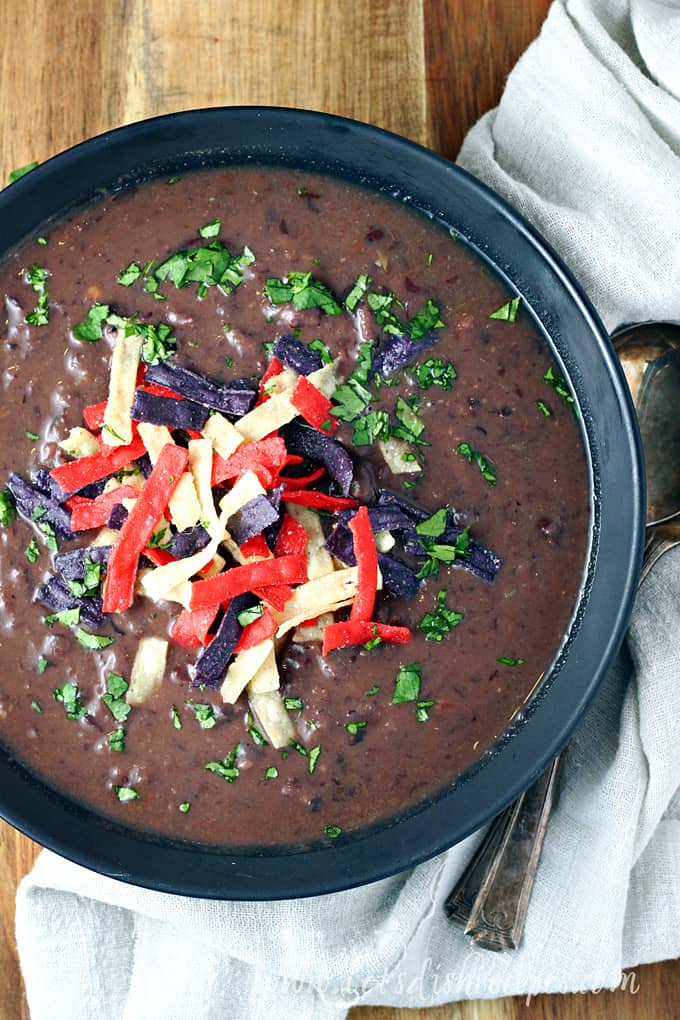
x=159, y=557
x=260, y=574
x=191, y=629
x=276, y=595
x=121, y=573
x=358, y=632
x=292, y=538
x=267, y=455
x=160, y=391
x=256, y=632
x=94, y=415
x=313, y=406
x=105, y=449
x=78, y=473
x=95, y=513
x=274, y=368
x=255, y=546
x=303, y=481
x=318, y=500
x=367, y=565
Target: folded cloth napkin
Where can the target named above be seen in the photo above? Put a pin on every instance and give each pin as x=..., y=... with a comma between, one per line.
x=586, y=142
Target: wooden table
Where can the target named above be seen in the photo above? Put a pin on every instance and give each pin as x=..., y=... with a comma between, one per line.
x=424, y=68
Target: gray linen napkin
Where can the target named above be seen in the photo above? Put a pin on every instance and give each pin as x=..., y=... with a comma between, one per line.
x=586, y=142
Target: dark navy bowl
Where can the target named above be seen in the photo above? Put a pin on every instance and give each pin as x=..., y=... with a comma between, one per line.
x=383, y=161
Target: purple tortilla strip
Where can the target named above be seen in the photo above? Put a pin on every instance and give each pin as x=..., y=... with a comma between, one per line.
x=188, y=542
x=55, y=594
x=29, y=500
x=252, y=519
x=311, y=444
x=395, y=352
x=233, y=398
x=176, y=414
x=71, y=565
x=296, y=355
x=117, y=517
x=213, y=660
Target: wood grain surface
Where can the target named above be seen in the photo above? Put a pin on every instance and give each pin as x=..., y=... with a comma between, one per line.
x=424, y=68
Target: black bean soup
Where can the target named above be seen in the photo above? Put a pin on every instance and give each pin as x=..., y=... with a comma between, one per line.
x=367, y=331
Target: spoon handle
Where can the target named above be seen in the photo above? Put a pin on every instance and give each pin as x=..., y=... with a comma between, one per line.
x=492, y=896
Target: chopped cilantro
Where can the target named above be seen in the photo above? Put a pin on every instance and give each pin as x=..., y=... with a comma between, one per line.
x=125, y=793
x=90, y=329
x=486, y=467
x=250, y=615
x=438, y=553
x=210, y=266
x=407, y=683
x=410, y=425
x=205, y=714
x=32, y=550
x=36, y=706
x=435, y=372
x=176, y=718
x=173, y=180
x=422, y=710
x=323, y=349
x=114, y=698
x=32, y=435
x=372, y=426
x=68, y=695
x=332, y=831
x=8, y=511
x=506, y=661
x=293, y=704
x=117, y=739
x=210, y=229
x=69, y=617
x=297, y=746
x=271, y=772
x=93, y=642
x=507, y=312
x=543, y=408
x=429, y=258
x=559, y=384
x=303, y=291
x=435, y=626
x=50, y=535
x=381, y=306
x=227, y=768
x=21, y=172
x=351, y=400
x=354, y=727
x=373, y=641
x=435, y=525
x=256, y=736
x=89, y=585
x=130, y=274
x=185, y=807
x=357, y=292
x=424, y=320
x=313, y=758
x=41, y=665
x=372, y=691
x=158, y=343
x=41, y=241
x=37, y=277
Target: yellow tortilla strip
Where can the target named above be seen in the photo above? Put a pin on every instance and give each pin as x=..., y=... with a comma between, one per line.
x=154, y=437
x=171, y=581
x=80, y=443
x=184, y=505
x=272, y=716
x=267, y=676
x=200, y=465
x=243, y=668
x=278, y=411
x=319, y=560
x=224, y=436
x=303, y=635
x=247, y=487
x=148, y=670
x=122, y=384
x=399, y=457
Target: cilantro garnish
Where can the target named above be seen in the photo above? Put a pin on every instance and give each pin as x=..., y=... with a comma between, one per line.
x=21, y=172
x=438, y=553
x=435, y=525
x=351, y=400
x=114, y=698
x=256, y=736
x=32, y=550
x=176, y=718
x=435, y=626
x=37, y=707
x=357, y=292
x=486, y=467
x=50, y=535
x=250, y=615
x=422, y=710
x=410, y=425
x=41, y=241
x=210, y=266
x=543, y=408
x=424, y=320
x=381, y=306
x=303, y=291
x=8, y=511
x=185, y=807
x=435, y=372
x=313, y=758
x=117, y=739
x=69, y=617
x=173, y=180
x=293, y=704
x=93, y=642
x=407, y=683
x=130, y=274
x=507, y=312
x=210, y=229
x=68, y=695
x=354, y=727
x=41, y=665
x=32, y=435
x=332, y=831
x=89, y=585
x=372, y=426
x=506, y=661
x=559, y=384
x=158, y=343
x=226, y=768
x=204, y=714
x=323, y=349
x=271, y=772
x=297, y=746
x=37, y=277
x=372, y=691
x=125, y=793
x=373, y=641
x=90, y=329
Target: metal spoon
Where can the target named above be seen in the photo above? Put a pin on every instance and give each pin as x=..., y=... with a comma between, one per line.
x=492, y=896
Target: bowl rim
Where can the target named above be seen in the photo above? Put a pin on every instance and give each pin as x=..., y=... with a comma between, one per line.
x=81, y=835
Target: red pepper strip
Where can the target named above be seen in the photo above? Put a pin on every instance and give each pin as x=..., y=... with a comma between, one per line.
x=256, y=632
x=121, y=573
x=274, y=368
x=318, y=500
x=261, y=574
x=269, y=454
x=191, y=629
x=358, y=632
x=95, y=513
x=313, y=406
x=160, y=391
x=255, y=546
x=192, y=434
x=302, y=481
x=292, y=538
x=367, y=565
x=104, y=448
x=78, y=473
x=94, y=415
x=275, y=594
x=159, y=557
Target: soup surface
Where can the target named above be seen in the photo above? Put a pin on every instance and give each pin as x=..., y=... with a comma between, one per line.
x=446, y=396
